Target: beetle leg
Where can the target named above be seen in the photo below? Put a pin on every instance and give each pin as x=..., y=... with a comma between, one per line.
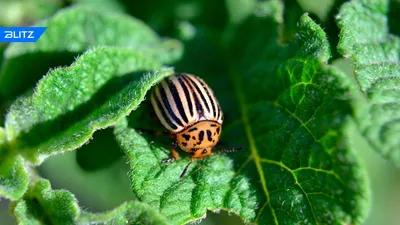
x=174, y=153
x=186, y=168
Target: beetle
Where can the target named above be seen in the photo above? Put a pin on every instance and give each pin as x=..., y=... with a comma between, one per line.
x=186, y=106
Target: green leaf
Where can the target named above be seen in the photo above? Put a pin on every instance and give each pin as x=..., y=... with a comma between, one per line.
x=106, y=5
x=13, y=176
x=365, y=38
x=292, y=115
x=20, y=13
x=212, y=186
x=301, y=153
x=239, y=10
x=312, y=40
x=42, y=205
x=69, y=104
x=2, y=138
x=72, y=31
x=127, y=213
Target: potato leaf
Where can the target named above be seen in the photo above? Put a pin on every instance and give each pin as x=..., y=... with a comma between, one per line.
x=72, y=31
x=42, y=205
x=13, y=176
x=365, y=38
x=293, y=115
x=70, y=103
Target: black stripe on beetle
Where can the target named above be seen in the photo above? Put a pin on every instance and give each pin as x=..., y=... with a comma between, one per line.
x=200, y=93
x=211, y=98
x=177, y=100
x=165, y=118
x=199, y=107
x=187, y=95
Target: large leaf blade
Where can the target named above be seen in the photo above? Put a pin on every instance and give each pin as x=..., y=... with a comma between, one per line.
x=133, y=212
x=37, y=125
x=159, y=185
x=71, y=32
x=42, y=205
x=365, y=38
x=292, y=116
x=294, y=113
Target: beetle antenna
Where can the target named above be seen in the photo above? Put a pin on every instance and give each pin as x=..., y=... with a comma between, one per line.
x=226, y=150
x=185, y=170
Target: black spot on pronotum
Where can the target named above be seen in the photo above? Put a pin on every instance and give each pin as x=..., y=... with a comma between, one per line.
x=213, y=125
x=201, y=136
x=209, y=135
x=187, y=137
x=215, y=133
x=184, y=144
x=193, y=137
x=204, y=151
x=218, y=130
x=193, y=129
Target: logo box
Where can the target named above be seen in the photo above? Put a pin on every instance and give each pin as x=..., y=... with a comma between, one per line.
x=21, y=34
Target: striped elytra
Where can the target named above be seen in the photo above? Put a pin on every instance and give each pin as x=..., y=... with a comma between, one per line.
x=188, y=109
x=182, y=100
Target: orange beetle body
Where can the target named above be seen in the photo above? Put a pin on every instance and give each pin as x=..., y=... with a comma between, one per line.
x=188, y=109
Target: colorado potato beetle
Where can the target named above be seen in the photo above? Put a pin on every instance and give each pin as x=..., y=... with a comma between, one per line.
x=188, y=109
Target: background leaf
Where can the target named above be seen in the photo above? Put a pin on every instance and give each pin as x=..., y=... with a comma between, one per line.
x=42, y=205
x=13, y=176
x=365, y=38
x=300, y=152
x=128, y=213
x=22, y=13
x=67, y=108
x=72, y=31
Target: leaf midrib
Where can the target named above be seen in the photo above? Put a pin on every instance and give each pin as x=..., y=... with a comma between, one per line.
x=254, y=152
